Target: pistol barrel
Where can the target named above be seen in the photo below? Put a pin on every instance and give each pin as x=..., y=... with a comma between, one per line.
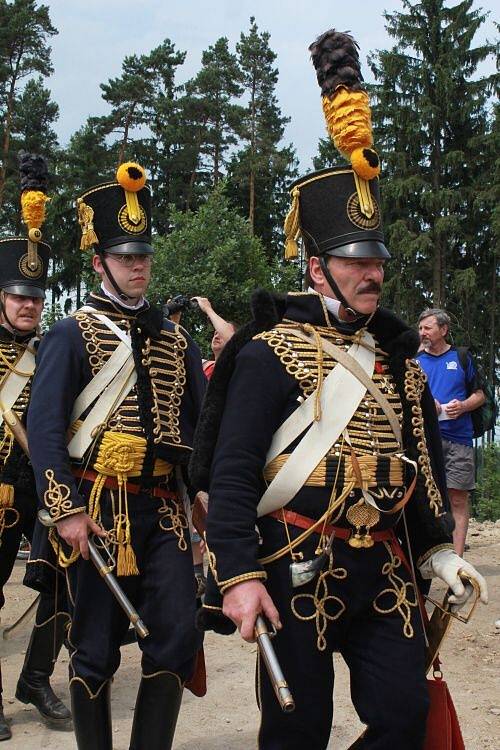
x=272, y=665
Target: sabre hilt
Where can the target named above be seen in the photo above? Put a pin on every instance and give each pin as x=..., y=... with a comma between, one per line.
x=105, y=571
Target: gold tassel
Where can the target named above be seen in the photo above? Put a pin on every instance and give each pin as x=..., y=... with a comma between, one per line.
x=291, y=249
x=292, y=227
x=6, y=495
x=126, y=562
x=86, y=219
x=120, y=455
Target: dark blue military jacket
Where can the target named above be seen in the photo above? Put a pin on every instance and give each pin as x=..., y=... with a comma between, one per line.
x=162, y=407
x=263, y=385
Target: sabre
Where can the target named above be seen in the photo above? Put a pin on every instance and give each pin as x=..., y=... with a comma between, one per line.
x=441, y=618
x=26, y=616
x=262, y=634
x=109, y=578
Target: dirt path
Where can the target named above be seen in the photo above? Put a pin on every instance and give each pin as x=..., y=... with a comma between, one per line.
x=227, y=718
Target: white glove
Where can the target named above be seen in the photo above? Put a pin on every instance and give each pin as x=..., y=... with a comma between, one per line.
x=445, y=564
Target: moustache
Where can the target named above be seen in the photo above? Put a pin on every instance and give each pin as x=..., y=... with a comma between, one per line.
x=369, y=288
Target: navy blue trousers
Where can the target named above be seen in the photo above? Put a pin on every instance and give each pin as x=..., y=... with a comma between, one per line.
x=19, y=520
x=164, y=593
x=387, y=672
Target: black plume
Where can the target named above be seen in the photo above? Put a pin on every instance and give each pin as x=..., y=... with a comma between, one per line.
x=33, y=171
x=335, y=57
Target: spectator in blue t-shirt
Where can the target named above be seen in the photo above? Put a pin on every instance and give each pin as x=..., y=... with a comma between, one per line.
x=450, y=384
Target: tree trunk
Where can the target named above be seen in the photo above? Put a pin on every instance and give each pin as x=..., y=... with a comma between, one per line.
x=251, y=184
x=78, y=290
x=126, y=128
x=192, y=177
x=493, y=334
x=189, y=195
x=218, y=138
x=6, y=135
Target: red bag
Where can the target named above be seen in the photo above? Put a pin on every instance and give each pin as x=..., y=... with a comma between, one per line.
x=197, y=684
x=443, y=729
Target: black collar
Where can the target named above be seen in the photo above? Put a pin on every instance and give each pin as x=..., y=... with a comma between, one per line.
x=309, y=307
x=392, y=335
x=146, y=317
x=106, y=305
x=15, y=338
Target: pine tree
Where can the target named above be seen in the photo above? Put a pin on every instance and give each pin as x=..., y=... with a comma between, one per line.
x=212, y=252
x=430, y=112
x=261, y=170
x=32, y=129
x=25, y=29
x=214, y=88
x=135, y=95
x=86, y=161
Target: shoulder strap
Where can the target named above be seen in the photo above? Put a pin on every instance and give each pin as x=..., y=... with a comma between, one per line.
x=349, y=362
x=107, y=389
x=15, y=382
x=322, y=434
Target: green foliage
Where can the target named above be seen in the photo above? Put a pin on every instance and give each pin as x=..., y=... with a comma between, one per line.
x=145, y=81
x=25, y=28
x=486, y=501
x=50, y=315
x=261, y=170
x=213, y=90
x=34, y=119
x=223, y=124
x=212, y=253
x=31, y=130
x=431, y=124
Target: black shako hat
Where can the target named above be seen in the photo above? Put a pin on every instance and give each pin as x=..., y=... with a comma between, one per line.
x=24, y=261
x=339, y=214
x=17, y=276
x=115, y=217
x=337, y=210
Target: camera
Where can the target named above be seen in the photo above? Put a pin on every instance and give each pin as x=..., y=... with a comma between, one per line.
x=179, y=303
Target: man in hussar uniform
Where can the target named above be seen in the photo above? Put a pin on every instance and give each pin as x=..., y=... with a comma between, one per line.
x=124, y=387
x=23, y=275
x=326, y=439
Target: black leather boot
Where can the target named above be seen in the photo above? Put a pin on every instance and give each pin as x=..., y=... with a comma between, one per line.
x=91, y=716
x=33, y=685
x=156, y=711
x=5, y=733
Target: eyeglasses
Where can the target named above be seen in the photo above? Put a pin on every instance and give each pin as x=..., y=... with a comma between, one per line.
x=131, y=259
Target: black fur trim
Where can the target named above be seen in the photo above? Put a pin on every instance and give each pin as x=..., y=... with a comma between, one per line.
x=150, y=321
x=267, y=310
x=213, y=619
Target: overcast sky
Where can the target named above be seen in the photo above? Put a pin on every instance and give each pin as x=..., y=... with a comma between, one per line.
x=95, y=35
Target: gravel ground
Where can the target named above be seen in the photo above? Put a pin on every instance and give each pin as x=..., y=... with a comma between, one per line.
x=227, y=718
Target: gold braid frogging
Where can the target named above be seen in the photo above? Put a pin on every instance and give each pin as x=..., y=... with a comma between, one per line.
x=415, y=380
